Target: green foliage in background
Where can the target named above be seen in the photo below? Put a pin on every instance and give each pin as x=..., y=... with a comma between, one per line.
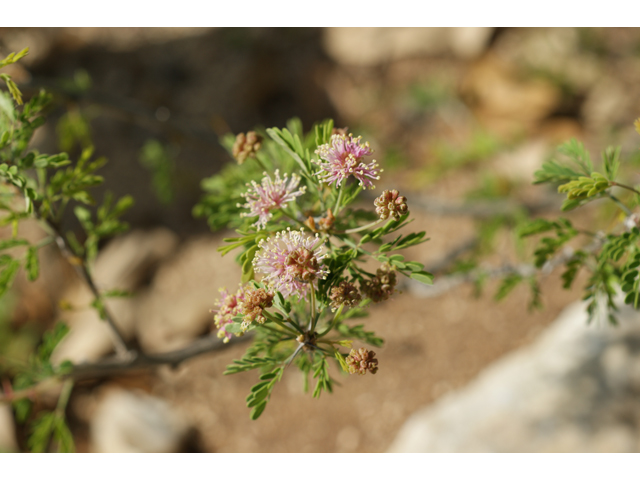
x=44, y=186
x=611, y=258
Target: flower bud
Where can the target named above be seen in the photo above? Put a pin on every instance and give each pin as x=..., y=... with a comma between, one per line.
x=255, y=301
x=361, y=360
x=345, y=294
x=382, y=286
x=391, y=204
x=246, y=146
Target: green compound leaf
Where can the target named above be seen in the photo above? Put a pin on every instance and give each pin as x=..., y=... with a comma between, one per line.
x=42, y=430
x=13, y=57
x=257, y=411
x=507, y=285
x=48, y=426
x=12, y=242
x=423, y=277
x=585, y=187
x=8, y=274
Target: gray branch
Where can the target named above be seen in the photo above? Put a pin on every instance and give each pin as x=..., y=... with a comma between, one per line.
x=140, y=361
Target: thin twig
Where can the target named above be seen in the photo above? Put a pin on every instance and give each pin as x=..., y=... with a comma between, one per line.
x=616, y=184
x=450, y=257
x=622, y=206
x=447, y=283
x=475, y=209
x=80, y=266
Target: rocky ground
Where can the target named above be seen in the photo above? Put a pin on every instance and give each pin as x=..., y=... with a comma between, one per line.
x=453, y=114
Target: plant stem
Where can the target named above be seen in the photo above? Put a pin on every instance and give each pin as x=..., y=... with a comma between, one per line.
x=616, y=184
x=287, y=214
x=622, y=206
x=44, y=243
x=364, y=227
x=119, y=366
x=290, y=332
x=81, y=268
x=278, y=322
x=63, y=399
x=261, y=163
x=312, y=301
x=333, y=322
x=293, y=355
x=336, y=208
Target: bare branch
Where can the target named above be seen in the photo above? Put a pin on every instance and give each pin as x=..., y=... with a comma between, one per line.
x=444, y=284
x=116, y=365
x=476, y=208
x=80, y=265
x=480, y=208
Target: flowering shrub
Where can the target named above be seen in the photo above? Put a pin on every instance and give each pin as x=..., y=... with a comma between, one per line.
x=314, y=259
x=312, y=256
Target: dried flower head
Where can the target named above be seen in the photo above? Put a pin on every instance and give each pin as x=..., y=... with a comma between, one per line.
x=346, y=294
x=269, y=196
x=382, y=286
x=391, y=204
x=324, y=223
x=291, y=262
x=229, y=306
x=255, y=301
x=361, y=360
x=246, y=146
x=342, y=157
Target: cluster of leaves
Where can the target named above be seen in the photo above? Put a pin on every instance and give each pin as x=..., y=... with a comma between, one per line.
x=13, y=88
x=43, y=187
x=47, y=425
x=611, y=258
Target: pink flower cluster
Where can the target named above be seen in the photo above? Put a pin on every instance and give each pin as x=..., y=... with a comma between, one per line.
x=342, y=157
x=291, y=261
x=270, y=195
x=229, y=306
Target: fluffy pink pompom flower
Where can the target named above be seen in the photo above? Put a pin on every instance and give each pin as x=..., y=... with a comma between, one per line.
x=342, y=157
x=270, y=195
x=291, y=261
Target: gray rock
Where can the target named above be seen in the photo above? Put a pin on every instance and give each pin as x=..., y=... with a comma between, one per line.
x=575, y=389
x=123, y=264
x=126, y=422
x=176, y=307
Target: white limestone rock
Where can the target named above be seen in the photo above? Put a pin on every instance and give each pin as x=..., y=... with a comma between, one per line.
x=573, y=390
